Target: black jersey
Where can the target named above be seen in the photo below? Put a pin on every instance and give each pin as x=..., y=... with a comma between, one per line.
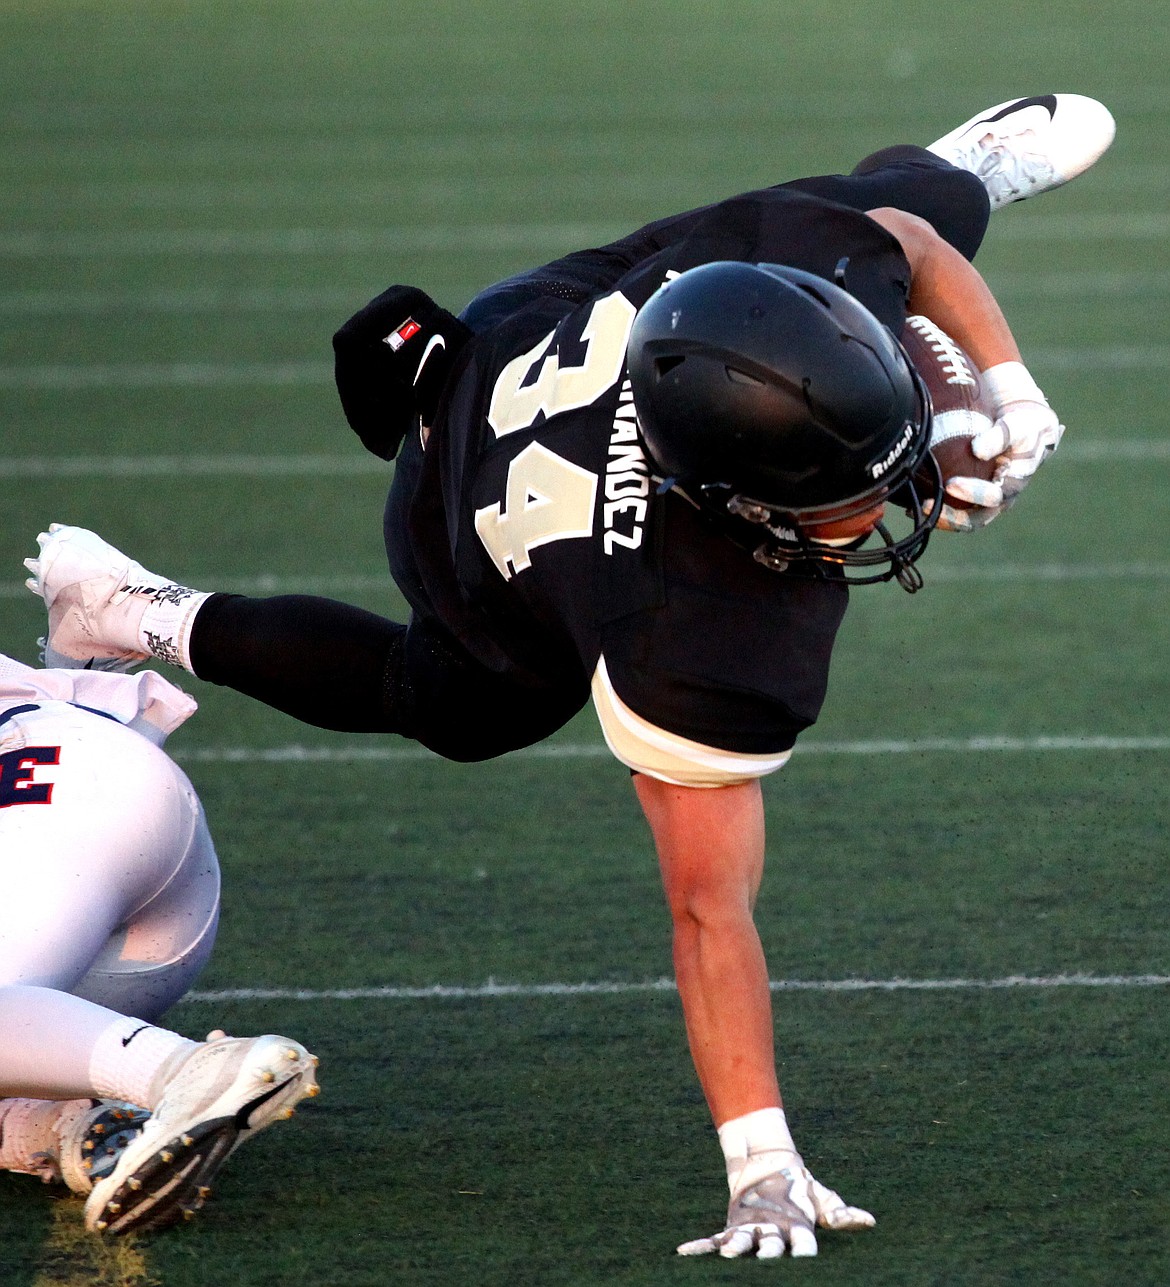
x=532, y=531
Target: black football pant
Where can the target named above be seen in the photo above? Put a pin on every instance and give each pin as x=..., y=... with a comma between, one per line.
x=340, y=667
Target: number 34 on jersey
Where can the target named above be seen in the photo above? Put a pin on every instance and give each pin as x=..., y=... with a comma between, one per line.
x=546, y=497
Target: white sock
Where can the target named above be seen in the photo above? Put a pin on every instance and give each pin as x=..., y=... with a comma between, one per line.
x=132, y=1060
x=755, y=1145
x=164, y=630
x=49, y=1037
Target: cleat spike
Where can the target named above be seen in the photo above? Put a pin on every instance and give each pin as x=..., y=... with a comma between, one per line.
x=312, y=1090
x=187, y=1140
x=204, y=1191
x=291, y=1055
x=114, y=1208
x=268, y=1075
x=102, y=1225
x=167, y=1155
x=134, y=1183
x=314, y=1061
x=286, y=1113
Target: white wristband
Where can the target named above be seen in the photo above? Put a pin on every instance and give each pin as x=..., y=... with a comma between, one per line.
x=1011, y=382
x=756, y=1145
x=165, y=629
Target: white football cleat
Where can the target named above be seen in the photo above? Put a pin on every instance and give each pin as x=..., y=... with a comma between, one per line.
x=91, y=1143
x=224, y=1092
x=58, y=661
x=88, y=1138
x=1029, y=145
x=96, y=597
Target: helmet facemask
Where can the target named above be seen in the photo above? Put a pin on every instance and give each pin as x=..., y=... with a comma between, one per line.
x=782, y=539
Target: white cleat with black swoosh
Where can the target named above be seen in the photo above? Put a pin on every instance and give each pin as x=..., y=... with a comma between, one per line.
x=1029, y=145
x=225, y=1092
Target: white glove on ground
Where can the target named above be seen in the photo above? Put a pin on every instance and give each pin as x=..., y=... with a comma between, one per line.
x=777, y=1214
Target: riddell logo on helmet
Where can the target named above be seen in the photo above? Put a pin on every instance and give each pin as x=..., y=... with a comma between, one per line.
x=880, y=467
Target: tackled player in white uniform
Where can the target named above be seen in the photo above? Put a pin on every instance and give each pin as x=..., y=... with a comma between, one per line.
x=111, y=904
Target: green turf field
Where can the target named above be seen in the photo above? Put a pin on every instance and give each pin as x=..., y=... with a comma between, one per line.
x=193, y=195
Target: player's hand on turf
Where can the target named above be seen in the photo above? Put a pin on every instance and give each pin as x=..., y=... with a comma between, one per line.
x=777, y=1215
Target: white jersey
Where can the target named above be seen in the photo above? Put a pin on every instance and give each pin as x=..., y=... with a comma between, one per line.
x=146, y=702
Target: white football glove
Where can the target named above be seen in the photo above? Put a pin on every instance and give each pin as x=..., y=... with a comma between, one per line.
x=1025, y=433
x=777, y=1214
x=987, y=498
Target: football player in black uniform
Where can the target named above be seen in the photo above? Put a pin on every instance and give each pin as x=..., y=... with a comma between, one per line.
x=647, y=473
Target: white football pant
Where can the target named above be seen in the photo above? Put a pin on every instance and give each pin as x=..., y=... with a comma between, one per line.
x=110, y=887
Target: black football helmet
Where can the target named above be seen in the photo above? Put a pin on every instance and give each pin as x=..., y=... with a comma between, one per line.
x=777, y=402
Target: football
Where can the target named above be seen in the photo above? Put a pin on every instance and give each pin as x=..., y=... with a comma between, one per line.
x=961, y=406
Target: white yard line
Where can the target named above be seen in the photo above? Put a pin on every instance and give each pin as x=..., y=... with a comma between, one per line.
x=322, y=464
x=63, y=377
x=492, y=990
x=230, y=465
x=379, y=753
x=1049, y=572
x=268, y=584
x=994, y=573
x=261, y=299
x=400, y=240
x=413, y=239
x=285, y=299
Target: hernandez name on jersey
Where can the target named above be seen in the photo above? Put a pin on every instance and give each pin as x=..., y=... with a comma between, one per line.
x=537, y=535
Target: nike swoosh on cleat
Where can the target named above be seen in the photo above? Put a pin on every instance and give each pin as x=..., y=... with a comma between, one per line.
x=246, y=1111
x=127, y=1040
x=1047, y=101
